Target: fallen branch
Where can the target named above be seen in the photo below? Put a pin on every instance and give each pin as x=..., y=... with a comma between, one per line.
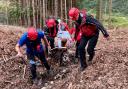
x=6, y=57
x=3, y=58
x=13, y=57
x=24, y=71
x=8, y=82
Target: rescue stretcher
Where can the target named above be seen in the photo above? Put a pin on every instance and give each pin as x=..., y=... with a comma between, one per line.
x=63, y=43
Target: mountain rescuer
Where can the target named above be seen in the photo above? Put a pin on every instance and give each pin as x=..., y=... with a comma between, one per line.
x=32, y=40
x=51, y=31
x=89, y=28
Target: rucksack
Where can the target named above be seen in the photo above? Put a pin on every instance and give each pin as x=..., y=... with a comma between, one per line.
x=87, y=29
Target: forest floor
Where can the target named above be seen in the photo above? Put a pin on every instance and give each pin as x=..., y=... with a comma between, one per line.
x=108, y=71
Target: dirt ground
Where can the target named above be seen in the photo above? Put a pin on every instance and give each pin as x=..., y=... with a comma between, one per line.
x=108, y=71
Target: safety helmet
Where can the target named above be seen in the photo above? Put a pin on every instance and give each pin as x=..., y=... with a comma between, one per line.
x=51, y=23
x=32, y=33
x=73, y=13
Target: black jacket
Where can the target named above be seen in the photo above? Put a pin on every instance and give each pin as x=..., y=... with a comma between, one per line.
x=90, y=20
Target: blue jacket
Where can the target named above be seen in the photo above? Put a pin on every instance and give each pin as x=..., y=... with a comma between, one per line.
x=32, y=46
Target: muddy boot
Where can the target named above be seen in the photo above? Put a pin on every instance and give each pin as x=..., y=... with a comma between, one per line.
x=35, y=81
x=50, y=72
x=90, y=60
x=89, y=63
x=83, y=68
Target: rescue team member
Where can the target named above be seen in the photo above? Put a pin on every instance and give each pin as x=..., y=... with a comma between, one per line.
x=32, y=40
x=89, y=28
x=51, y=31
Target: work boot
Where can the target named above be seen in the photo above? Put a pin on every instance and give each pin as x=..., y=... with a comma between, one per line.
x=82, y=68
x=50, y=72
x=35, y=81
x=89, y=62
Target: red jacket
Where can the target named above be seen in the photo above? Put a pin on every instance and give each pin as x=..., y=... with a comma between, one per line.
x=77, y=37
x=89, y=26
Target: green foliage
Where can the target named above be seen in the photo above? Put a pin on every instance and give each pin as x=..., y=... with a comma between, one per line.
x=14, y=12
x=2, y=6
x=119, y=21
x=120, y=6
x=119, y=10
x=90, y=5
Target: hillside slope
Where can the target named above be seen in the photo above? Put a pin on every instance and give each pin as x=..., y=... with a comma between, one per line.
x=108, y=71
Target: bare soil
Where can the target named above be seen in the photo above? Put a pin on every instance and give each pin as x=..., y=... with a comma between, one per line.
x=109, y=69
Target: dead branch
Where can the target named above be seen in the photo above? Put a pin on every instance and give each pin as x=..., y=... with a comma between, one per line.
x=24, y=71
x=3, y=58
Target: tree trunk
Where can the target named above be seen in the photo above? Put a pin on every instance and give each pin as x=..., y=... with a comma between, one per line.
x=46, y=5
x=33, y=9
x=61, y=9
x=99, y=10
x=37, y=14
x=20, y=17
x=53, y=8
x=28, y=12
x=66, y=11
x=56, y=8
x=7, y=2
x=105, y=11
x=110, y=12
x=43, y=11
x=25, y=13
x=40, y=7
x=71, y=3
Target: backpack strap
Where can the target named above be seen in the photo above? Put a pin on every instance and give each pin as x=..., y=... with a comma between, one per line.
x=83, y=15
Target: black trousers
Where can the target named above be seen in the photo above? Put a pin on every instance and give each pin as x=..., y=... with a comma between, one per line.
x=43, y=60
x=77, y=51
x=51, y=40
x=92, y=41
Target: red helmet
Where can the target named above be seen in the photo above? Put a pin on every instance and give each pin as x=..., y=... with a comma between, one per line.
x=51, y=23
x=32, y=33
x=73, y=13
